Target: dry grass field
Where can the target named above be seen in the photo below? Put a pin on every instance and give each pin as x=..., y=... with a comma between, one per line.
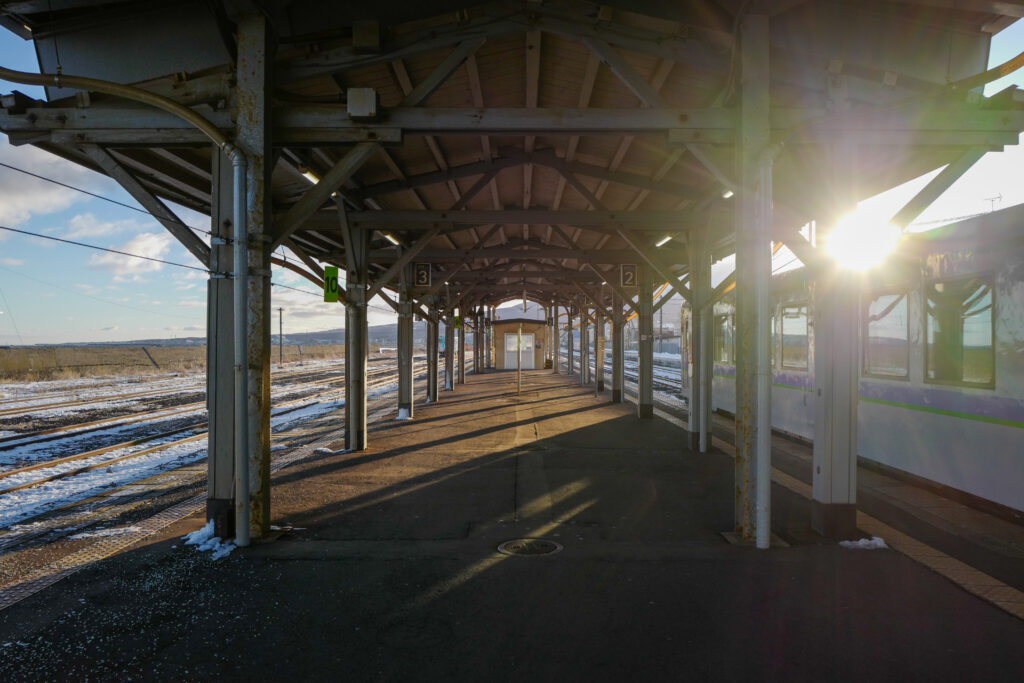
x=67, y=362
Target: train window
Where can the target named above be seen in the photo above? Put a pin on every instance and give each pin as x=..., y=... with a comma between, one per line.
x=723, y=342
x=958, y=332
x=887, y=337
x=794, y=337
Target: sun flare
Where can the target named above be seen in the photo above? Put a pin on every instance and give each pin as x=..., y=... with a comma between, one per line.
x=861, y=243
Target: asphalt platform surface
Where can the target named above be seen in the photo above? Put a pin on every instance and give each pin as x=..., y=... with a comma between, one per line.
x=388, y=570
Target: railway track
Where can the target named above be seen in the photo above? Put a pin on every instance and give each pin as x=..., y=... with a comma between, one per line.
x=59, y=522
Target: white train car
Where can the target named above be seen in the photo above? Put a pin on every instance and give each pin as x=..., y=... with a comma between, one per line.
x=941, y=360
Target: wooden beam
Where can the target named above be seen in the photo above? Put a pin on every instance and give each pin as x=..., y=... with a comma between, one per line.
x=315, y=197
x=149, y=202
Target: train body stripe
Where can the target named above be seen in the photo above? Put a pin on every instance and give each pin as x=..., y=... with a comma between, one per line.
x=947, y=413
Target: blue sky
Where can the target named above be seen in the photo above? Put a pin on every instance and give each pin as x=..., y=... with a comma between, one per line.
x=56, y=293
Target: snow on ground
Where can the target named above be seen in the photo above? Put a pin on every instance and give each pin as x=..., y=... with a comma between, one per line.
x=66, y=446
x=20, y=505
x=873, y=543
x=3, y=433
x=203, y=539
x=102, y=532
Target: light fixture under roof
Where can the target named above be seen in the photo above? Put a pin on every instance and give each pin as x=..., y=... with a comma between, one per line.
x=727, y=194
x=310, y=176
x=664, y=240
x=391, y=238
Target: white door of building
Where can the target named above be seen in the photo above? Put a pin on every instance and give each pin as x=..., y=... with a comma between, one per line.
x=512, y=345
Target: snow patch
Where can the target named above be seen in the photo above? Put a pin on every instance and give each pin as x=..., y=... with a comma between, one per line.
x=328, y=451
x=403, y=414
x=116, y=531
x=873, y=543
x=204, y=540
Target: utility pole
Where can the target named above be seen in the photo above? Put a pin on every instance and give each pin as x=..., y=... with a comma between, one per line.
x=280, y=337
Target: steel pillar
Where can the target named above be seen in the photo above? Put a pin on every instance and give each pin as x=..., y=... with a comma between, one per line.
x=356, y=343
x=618, y=351
x=569, y=340
x=405, y=334
x=489, y=338
x=220, y=390
x=461, y=333
x=645, y=346
x=253, y=135
x=556, y=341
x=584, y=346
x=699, y=369
x=432, y=344
x=449, y=351
x=753, y=284
x=836, y=362
x=834, y=482
x=598, y=351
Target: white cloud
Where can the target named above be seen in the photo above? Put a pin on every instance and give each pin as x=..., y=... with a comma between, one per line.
x=127, y=269
x=112, y=328
x=11, y=261
x=86, y=225
x=191, y=303
x=23, y=196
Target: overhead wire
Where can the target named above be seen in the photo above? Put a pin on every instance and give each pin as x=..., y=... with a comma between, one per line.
x=102, y=197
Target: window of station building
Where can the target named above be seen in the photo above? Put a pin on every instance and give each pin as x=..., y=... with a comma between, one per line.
x=959, y=332
x=794, y=337
x=773, y=342
x=723, y=339
x=887, y=337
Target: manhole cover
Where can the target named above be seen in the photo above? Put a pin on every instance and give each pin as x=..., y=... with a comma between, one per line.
x=529, y=546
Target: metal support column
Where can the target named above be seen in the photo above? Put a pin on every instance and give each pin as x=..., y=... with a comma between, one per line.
x=645, y=346
x=356, y=343
x=253, y=136
x=836, y=383
x=556, y=341
x=220, y=390
x=836, y=360
x=489, y=338
x=449, y=351
x=584, y=345
x=432, y=353
x=598, y=351
x=405, y=376
x=698, y=369
x=753, y=286
x=461, y=333
x=569, y=340
x=618, y=352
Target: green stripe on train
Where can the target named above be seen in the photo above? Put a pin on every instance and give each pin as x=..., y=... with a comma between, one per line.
x=948, y=413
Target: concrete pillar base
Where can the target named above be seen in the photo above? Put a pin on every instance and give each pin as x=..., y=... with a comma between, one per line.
x=835, y=520
x=645, y=410
x=616, y=396
x=222, y=512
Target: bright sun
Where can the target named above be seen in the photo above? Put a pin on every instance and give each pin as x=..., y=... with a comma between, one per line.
x=861, y=243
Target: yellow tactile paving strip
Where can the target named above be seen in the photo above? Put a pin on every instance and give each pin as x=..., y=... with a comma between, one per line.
x=987, y=588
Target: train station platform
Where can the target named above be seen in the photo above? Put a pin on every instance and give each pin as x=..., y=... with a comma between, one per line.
x=386, y=568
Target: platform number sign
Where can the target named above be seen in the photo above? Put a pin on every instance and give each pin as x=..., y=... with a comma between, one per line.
x=628, y=274
x=331, y=283
x=421, y=275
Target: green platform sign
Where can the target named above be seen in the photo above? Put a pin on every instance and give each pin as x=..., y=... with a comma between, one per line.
x=331, y=283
